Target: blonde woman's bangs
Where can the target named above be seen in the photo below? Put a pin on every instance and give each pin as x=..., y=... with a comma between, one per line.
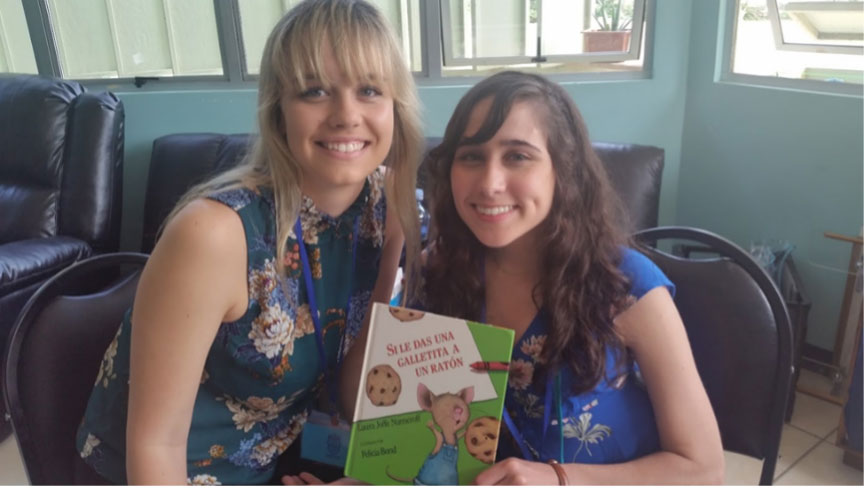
x=362, y=52
x=360, y=49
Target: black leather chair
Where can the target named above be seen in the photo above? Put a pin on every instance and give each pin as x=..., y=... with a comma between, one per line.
x=61, y=163
x=55, y=351
x=179, y=161
x=740, y=335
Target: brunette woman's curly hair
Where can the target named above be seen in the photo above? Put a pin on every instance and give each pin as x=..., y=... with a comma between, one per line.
x=583, y=236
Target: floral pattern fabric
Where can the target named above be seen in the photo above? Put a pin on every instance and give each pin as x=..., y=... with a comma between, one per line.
x=262, y=371
x=612, y=423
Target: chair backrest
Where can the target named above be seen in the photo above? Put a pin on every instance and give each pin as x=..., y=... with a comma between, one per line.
x=740, y=335
x=61, y=162
x=178, y=161
x=635, y=172
x=53, y=357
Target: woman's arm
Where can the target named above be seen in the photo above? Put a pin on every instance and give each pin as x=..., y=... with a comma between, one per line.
x=691, y=449
x=350, y=372
x=688, y=433
x=194, y=280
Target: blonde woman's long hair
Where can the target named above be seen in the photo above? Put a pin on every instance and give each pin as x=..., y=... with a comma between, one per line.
x=364, y=45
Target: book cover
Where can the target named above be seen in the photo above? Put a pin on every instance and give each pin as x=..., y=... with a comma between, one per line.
x=430, y=400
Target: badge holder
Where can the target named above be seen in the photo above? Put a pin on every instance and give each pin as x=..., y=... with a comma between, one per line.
x=324, y=441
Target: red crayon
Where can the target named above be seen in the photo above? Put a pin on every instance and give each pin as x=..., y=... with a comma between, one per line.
x=489, y=366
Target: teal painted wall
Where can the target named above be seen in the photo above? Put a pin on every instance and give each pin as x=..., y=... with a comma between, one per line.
x=647, y=111
x=772, y=163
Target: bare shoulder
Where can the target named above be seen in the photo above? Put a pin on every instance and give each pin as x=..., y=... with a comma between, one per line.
x=204, y=221
x=203, y=246
x=654, y=314
x=203, y=234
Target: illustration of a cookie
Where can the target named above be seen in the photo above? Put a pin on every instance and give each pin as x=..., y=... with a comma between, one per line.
x=383, y=385
x=405, y=314
x=481, y=438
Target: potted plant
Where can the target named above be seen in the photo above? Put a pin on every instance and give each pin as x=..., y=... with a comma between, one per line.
x=613, y=21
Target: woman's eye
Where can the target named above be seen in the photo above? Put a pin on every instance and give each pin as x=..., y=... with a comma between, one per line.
x=468, y=157
x=370, y=91
x=314, y=92
x=517, y=157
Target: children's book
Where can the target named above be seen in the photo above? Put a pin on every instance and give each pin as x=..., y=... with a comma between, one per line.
x=430, y=400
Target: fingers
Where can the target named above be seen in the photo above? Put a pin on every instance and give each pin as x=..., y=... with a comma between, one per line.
x=348, y=481
x=490, y=476
x=301, y=479
x=310, y=479
x=291, y=480
x=513, y=471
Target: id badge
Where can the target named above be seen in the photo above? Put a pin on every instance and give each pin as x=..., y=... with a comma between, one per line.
x=323, y=442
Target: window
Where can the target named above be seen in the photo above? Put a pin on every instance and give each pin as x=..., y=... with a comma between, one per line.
x=96, y=39
x=257, y=17
x=140, y=40
x=16, y=50
x=818, y=42
x=549, y=35
x=128, y=38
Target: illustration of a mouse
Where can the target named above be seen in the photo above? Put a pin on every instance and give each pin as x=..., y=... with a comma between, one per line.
x=450, y=413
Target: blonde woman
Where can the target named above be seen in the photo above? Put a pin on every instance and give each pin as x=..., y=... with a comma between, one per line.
x=238, y=319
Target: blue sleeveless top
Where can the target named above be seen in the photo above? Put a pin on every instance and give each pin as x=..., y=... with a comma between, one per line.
x=611, y=423
x=262, y=371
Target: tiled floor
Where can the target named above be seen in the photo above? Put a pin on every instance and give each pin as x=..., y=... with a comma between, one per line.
x=808, y=455
x=11, y=467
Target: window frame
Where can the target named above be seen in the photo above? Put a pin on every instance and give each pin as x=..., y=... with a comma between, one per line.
x=602, y=57
x=48, y=63
x=725, y=73
x=782, y=45
x=235, y=76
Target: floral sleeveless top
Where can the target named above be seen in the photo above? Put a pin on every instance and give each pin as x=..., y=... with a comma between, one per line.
x=263, y=371
x=611, y=423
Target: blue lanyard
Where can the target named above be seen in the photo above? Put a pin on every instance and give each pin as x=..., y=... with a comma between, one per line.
x=314, y=309
x=550, y=390
x=516, y=434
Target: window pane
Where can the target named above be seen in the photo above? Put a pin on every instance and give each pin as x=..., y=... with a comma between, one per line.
x=822, y=22
x=192, y=32
x=258, y=17
x=405, y=18
x=756, y=50
x=489, y=28
x=16, y=50
x=127, y=38
x=489, y=35
x=610, y=26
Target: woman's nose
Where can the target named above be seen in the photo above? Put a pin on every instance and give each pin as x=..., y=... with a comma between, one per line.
x=493, y=178
x=345, y=112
